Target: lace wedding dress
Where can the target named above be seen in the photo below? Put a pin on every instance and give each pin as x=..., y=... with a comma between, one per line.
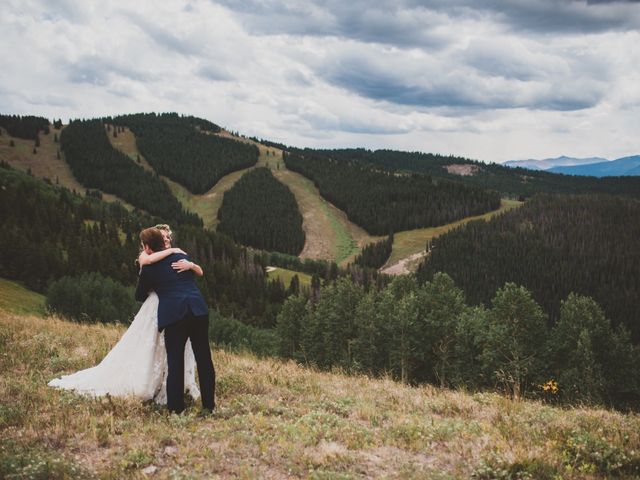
x=136, y=365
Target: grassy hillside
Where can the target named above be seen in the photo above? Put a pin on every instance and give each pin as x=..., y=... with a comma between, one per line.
x=278, y=420
x=286, y=275
x=44, y=163
x=15, y=298
x=412, y=242
x=329, y=234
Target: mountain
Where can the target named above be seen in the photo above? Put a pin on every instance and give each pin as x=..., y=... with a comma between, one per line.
x=549, y=163
x=626, y=166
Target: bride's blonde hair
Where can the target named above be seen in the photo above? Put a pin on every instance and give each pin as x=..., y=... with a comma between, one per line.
x=166, y=229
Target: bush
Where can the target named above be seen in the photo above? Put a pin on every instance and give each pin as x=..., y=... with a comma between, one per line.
x=92, y=297
x=235, y=334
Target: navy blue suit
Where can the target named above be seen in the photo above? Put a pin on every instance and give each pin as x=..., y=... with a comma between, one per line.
x=178, y=292
x=182, y=314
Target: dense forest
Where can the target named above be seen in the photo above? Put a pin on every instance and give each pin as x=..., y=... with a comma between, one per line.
x=96, y=164
x=511, y=182
x=26, y=127
x=384, y=202
x=552, y=245
x=50, y=233
x=261, y=212
x=184, y=149
x=375, y=255
x=428, y=333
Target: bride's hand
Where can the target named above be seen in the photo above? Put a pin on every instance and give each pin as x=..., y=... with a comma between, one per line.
x=182, y=265
x=177, y=250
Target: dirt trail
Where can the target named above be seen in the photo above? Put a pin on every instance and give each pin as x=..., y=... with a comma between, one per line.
x=404, y=266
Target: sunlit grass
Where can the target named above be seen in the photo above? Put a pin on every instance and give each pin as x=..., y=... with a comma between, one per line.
x=286, y=275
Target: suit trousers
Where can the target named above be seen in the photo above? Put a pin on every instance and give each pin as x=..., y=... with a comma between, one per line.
x=196, y=329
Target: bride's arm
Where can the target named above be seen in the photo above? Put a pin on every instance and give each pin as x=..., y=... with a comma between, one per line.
x=145, y=259
x=184, y=265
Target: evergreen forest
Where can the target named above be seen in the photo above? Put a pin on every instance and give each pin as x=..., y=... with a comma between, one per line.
x=26, y=127
x=261, y=212
x=552, y=245
x=96, y=164
x=384, y=202
x=50, y=234
x=186, y=149
x=510, y=182
x=375, y=255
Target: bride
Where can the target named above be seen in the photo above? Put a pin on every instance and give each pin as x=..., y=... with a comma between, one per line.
x=137, y=364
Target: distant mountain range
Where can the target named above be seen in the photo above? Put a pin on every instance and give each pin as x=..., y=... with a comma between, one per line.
x=593, y=166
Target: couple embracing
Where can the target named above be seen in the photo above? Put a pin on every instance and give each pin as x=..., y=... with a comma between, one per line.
x=156, y=358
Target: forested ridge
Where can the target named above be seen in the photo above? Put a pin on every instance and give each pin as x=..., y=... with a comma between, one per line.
x=553, y=245
x=96, y=164
x=176, y=146
x=376, y=254
x=50, y=233
x=26, y=127
x=261, y=212
x=384, y=202
x=514, y=182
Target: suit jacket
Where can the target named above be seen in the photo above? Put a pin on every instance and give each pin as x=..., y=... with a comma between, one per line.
x=177, y=292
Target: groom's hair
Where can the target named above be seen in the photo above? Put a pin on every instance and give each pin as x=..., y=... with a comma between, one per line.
x=152, y=237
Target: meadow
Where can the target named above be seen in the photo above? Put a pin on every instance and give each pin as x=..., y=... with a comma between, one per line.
x=276, y=419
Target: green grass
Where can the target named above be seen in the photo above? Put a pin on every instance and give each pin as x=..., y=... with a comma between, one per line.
x=410, y=242
x=17, y=299
x=276, y=419
x=344, y=245
x=286, y=276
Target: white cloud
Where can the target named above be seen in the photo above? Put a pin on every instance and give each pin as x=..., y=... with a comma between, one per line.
x=487, y=79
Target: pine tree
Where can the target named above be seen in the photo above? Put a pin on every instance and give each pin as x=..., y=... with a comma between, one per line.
x=514, y=339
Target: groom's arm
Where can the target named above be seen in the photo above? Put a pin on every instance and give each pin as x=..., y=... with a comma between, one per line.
x=144, y=287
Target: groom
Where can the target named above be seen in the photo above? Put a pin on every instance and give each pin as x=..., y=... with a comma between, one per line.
x=182, y=314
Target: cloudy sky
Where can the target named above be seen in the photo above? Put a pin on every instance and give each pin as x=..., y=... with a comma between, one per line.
x=487, y=79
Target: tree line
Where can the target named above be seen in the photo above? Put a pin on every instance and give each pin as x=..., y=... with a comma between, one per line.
x=510, y=182
x=429, y=334
x=52, y=235
x=552, y=245
x=384, y=202
x=26, y=127
x=261, y=212
x=376, y=254
x=184, y=149
x=96, y=164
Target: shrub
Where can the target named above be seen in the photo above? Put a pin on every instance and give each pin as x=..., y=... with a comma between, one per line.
x=91, y=297
x=233, y=333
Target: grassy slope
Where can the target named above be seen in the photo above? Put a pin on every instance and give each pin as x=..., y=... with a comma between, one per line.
x=278, y=420
x=286, y=275
x=44, y=163
x=15, y=298
x=412, y=242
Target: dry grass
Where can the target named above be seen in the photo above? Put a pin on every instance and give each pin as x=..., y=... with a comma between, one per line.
x=278, y=420
x=44, y=163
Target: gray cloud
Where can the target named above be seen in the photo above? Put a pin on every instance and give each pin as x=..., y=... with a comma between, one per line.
x=429, y=82
x=214, y=73
x=424, y=23
x=165, y=38
x=99, y=71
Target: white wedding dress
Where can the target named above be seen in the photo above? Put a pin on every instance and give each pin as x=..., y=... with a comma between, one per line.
x=136, y=366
